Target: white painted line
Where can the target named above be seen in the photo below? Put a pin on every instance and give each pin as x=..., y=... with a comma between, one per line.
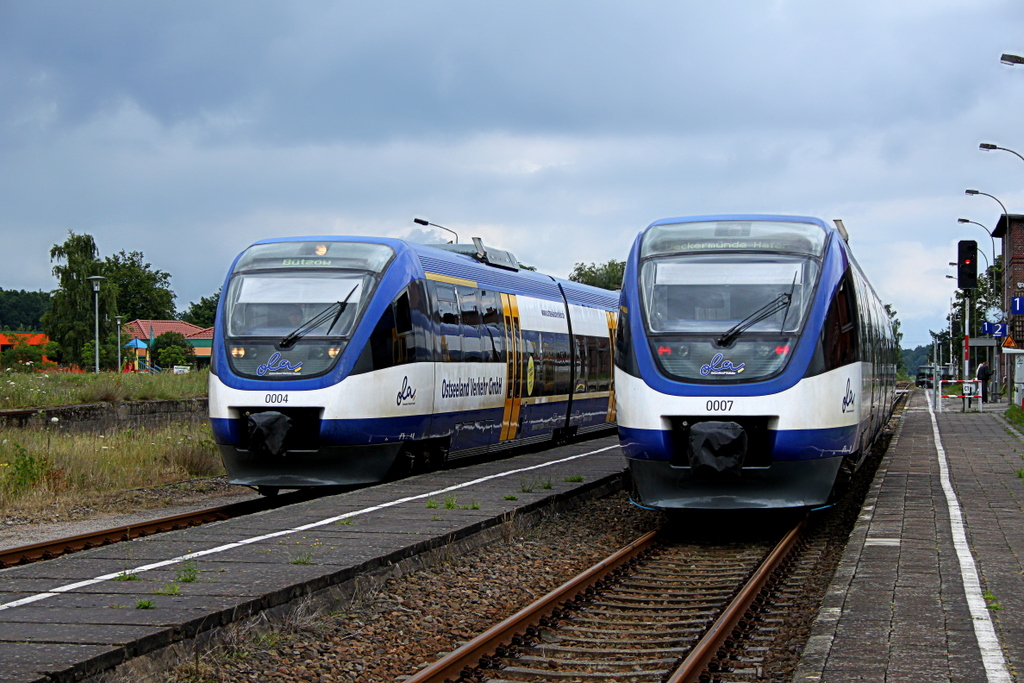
x=305, y=527
x=984, y=631
x=891, y=542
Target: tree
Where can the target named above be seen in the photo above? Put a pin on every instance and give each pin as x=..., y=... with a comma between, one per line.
x=70, y=320
x=170, y=349
x=202, y=312
x=605, y=276
x=894, y=322
x=21, y=310
x=142, y=292
x=27, y=357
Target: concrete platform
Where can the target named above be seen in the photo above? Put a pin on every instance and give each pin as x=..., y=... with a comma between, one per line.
x=931, y=586
x=76, y=617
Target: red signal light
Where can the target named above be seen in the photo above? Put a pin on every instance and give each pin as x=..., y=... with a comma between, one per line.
x=664, y=351
x=967, y=261
x=782, y=350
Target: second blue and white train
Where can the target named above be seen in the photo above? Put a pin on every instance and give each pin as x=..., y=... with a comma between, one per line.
x=755, y=365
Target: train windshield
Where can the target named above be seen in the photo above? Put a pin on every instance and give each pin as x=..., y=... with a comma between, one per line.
x=277, y=290
x=720, y=316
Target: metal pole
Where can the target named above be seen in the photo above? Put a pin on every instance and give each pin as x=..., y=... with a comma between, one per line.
x=96, y=316
x=117, y=319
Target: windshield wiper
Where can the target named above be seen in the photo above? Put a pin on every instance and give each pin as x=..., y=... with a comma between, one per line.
x=335, y=309
x=779, y=303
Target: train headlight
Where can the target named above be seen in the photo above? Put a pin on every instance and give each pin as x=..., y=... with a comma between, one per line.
x=333, y=351
x=238, y=351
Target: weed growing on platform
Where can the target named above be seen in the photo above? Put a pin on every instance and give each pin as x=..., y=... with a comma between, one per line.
x=127, y=576
x=48, y=390
x=432, y=504
x=168, y=589
x=305, y=558
x=1015, y=416
x=144, y=604
x=991, y=602
x=43, y=467
x=526, y=487
x=546, y=484
x=188, y=572
x=574, y=479
x=473, y=505
x=451, y=502
x=1020, y=473
x=347, y=522
x=436, y=518
x=511, y=496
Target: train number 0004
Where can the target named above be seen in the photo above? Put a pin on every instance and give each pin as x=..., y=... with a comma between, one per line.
x=275, y=398
x=719, y=406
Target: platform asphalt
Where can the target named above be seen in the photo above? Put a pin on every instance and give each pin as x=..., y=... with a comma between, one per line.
x=75, y=617
x=931, y=585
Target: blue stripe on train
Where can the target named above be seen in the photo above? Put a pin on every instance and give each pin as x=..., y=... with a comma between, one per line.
x=794, y=444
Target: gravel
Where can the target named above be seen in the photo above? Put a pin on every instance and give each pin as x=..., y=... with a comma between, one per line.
x=411, y=620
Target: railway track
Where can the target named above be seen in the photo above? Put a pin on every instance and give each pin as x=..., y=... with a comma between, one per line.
x=48, y=550
x=655, y=611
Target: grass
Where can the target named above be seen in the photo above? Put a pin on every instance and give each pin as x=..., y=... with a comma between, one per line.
x=1020, y=473
x=168, y=589
x=991, y=602
x=575, y=479
x=511, y=496
x=1015, y=415
x=305, y=558
x=43, y=467
x=127, y=576
x=144, y=604
x=44, y=390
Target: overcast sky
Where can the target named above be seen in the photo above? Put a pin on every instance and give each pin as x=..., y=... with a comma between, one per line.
x=557, y=130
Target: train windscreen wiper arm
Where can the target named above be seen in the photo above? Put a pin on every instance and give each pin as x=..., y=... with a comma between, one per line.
x=335, y=310
x=779, y=303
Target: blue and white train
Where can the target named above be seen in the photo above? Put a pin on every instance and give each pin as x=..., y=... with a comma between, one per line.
x=344, y=360
x=754, y=366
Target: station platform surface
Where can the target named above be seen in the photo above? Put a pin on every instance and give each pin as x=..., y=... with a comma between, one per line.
x=931, y=585
x=75, y=617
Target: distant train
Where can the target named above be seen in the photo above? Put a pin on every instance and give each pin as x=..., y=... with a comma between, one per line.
x=755, y=365
x=345, y=360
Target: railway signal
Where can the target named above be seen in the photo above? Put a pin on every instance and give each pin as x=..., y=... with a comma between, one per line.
x=967, y=264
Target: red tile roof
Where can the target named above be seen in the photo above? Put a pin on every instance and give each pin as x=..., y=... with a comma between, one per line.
x=201, y=334
x=140, y=329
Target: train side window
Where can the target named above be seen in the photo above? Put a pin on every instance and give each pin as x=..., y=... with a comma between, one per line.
x=470, y=308
x=492, y=331
x=450, y=322
x=581, y=365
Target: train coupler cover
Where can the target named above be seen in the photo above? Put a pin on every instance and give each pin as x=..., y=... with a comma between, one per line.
x=267, y=432
x=717, y=448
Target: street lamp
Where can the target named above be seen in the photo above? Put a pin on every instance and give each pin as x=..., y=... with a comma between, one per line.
x=420, y=221
x=95, y=280
x=117, y=319
x=988, y=147
x=1011, y=59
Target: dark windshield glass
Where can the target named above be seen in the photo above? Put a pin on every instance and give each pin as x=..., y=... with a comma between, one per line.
x=720, y=236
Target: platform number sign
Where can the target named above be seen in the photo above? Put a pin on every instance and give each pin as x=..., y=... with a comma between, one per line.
x=995, y=329
x=1017, y=305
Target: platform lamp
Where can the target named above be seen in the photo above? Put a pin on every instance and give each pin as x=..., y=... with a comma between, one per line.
x=118, y=319
x=1011, y=59
x=95, y=280
x=421, y=221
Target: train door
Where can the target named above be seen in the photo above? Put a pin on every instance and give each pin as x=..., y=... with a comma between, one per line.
x=513, y=364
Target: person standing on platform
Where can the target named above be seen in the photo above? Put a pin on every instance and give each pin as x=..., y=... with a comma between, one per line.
x=984, y=374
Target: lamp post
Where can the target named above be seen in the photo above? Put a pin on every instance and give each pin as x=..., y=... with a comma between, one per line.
x=117, y=319
x=421, y=221
x=95, y=280
x=1011, y=59
x=988, y=147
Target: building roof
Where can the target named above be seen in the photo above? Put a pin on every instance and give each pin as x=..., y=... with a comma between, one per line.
x=206, y=333
x=1003, y=223
x=151, y=329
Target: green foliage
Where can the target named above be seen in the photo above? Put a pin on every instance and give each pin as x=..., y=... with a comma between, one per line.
x=20, y=469
x=202, y=312
x=511, y=496
x=40, y=390
x=605, y=276
x=171, y=348
x=144, y=604
x=142, y=292
x=168, y=589
x=894, y=322
x=21, y=310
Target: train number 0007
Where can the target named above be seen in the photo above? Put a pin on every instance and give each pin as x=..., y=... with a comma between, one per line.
x=719, y=406
x=275, y=398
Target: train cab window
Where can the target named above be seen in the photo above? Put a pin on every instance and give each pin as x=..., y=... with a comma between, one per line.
x=840, y=336
x=469, y=306
x=400, y=335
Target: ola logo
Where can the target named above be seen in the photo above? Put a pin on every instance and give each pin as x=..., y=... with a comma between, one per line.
x=529, y=377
